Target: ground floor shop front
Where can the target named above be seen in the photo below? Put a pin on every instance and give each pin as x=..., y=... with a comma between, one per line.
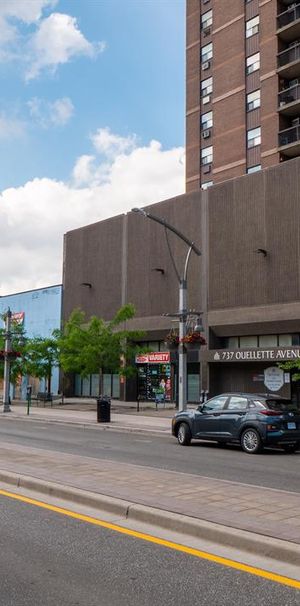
x=254, y=370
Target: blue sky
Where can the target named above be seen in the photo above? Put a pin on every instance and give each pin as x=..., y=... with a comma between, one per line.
x=91, y=121
x=135, y=85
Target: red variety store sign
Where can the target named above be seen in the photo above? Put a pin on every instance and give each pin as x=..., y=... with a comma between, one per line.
x=155, y=357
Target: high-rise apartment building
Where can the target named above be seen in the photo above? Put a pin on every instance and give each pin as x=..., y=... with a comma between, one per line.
x=243, y=87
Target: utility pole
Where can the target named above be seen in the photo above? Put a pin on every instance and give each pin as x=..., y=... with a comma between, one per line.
x=183, y=313
x=7, y=352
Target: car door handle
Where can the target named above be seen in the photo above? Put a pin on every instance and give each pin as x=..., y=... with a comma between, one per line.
x=216, y=414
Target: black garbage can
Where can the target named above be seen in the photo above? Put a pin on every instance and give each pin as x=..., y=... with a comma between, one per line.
x=103, y=409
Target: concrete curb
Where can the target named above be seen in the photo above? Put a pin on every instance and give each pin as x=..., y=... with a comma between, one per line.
x=275, y=549
x=98, y=426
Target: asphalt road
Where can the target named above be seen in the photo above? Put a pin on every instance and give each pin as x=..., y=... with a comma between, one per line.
x=50, y=559
x=273, y=469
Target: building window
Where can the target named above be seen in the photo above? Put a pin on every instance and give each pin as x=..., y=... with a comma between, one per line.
x=252, y=63
x=206, y=20
x=253, y=169
x=206, y=52
x=253, y=100
x=248, y=342
x=206, y=87
x=207, y=184
x=206, y=155
x=268, y=341
x=285, y=340
x=253, y=137
x=252, y=27
x=206, y=120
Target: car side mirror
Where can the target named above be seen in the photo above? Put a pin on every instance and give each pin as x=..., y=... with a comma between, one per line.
x=200, y=407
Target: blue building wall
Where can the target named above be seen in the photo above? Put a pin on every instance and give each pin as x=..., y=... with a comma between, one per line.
x=42, y=314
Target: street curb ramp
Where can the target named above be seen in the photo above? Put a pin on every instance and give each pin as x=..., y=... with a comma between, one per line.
x=276, y=549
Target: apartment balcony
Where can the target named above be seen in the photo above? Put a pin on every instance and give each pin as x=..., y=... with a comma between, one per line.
x=288, y=24
x=288, y=62
x=289, y=101
x=289, y=141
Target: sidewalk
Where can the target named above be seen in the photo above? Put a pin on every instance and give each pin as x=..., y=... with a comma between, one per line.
x=145, y=421
x=268, y=512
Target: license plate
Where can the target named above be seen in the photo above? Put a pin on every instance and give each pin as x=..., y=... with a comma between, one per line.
x=291, y=425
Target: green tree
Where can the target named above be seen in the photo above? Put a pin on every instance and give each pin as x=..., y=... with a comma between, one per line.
x=95, y=346
x=40, y=356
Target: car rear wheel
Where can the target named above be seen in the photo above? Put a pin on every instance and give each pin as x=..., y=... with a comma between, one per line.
x=251, y=441
x=184, y=435
x=290, y=448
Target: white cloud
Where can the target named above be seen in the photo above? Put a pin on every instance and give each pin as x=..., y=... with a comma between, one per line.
x=51, y=113
x=34, y=217
x=27, y=11
x=11, y=127
x=111, y=145
x=56, y=41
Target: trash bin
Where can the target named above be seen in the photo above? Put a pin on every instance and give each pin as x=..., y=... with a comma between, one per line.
x=103, y=409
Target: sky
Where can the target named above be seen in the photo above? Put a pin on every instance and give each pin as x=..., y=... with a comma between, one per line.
x=92, y=96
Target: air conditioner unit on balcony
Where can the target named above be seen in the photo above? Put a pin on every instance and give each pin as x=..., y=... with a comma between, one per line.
x=206, y=134
x=205, y=65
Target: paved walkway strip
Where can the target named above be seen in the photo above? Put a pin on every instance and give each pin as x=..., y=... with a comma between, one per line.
x=265, y=511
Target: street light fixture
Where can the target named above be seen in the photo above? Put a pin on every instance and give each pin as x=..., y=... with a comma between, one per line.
x=7, y=351
x=9, y=355
x=183, y=313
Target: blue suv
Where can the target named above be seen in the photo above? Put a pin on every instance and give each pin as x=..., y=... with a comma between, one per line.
x=252, y=420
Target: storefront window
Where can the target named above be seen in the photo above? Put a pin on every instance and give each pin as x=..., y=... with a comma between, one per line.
x=248, y=342
x=77, y=385
x=268, y=341
x=107, y=384
x=193, y=387
x=95, y=385
x=285, y=340
x=115, y=386
x=86, y=385
x=233, y=343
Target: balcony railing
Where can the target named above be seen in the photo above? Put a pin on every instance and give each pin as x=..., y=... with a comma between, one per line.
x=289, y=135
x=292, y=14
x=289, y=95
x=289, y=55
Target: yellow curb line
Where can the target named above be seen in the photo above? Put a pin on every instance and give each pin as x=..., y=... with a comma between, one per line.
x=270, y=576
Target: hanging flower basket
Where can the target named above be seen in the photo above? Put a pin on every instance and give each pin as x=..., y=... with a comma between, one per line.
x=193, y=340
x=172, y=340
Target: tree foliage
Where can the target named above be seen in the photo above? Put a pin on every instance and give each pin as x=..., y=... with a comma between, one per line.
x=40, y=356
x=292, y=366
x=88, y=346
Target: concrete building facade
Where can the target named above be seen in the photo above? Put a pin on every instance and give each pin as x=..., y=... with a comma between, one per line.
x=246, y=283
x=242, y=87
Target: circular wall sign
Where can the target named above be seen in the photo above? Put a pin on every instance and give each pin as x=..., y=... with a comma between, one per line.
x=273, y=378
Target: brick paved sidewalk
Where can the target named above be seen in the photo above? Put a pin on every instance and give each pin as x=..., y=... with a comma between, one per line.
x=269, y=512
x=89, y=417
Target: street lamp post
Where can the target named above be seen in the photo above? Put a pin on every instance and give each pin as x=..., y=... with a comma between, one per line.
x=7, y=351
x=183, y=313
